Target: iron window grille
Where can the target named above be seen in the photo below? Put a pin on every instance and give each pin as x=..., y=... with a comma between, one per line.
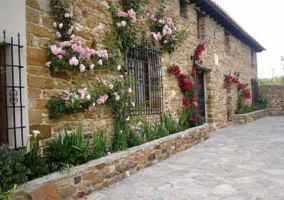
x=11, y=93
x=144, y=67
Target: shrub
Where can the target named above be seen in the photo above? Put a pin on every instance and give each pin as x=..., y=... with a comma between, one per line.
x=121, y=134
x=13, y=169
x=70, y=149
x=258, y=105
x=169, y=123
x=35, y=164
x=99, y=145
x=134, y=139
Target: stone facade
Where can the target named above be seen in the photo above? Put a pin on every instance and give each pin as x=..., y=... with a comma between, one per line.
x=94, y=175
x=224, y=54
x=274, y=94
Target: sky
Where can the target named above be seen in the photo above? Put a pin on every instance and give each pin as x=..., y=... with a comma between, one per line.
x=263, y=20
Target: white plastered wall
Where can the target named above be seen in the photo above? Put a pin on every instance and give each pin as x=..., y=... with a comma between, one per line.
x=13, y=21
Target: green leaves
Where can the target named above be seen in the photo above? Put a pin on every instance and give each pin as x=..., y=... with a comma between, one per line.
x=70, y=149
x=99, y=145
x=12, y=168
x=61, y=12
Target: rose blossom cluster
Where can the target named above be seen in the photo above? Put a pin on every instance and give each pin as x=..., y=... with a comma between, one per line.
x=199, y=49
x=60, y=25
x=167, y=28
x=188, y=87
x=130, y=13
x=74, y=54
x=241, y=87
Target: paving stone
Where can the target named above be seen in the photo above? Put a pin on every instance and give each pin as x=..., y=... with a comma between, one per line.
x=239, y=162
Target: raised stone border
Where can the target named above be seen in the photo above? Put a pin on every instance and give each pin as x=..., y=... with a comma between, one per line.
x=248, y=117
x=96, y=174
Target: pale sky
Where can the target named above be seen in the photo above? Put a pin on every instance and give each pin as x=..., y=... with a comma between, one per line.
x=263, y=20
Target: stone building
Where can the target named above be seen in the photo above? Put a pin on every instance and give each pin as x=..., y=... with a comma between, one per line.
x=229, y=49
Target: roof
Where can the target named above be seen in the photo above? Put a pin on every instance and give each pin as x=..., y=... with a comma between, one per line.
x=221, y=17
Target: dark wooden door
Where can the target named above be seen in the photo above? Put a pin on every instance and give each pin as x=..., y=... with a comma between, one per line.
x=201, y=93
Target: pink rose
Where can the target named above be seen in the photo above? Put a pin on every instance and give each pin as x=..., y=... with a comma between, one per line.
x=82, y=68
x=129, y=91
x=110, y=86
x=122, y=14
x=100, y=62
x=58, y=35
x=123, y=23
x=132, y=14
x=48, y=64
x=99, y=101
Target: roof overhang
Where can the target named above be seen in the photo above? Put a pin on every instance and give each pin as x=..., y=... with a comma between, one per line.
x=211, y=9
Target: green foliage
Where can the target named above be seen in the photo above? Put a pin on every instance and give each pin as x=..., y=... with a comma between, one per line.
x=134, y=139
x=70, y=149
x=35, y=164
x=159, y=131
x=259, y=105
x=132, y=4
x=147, y=131
x=99, y=145
x=128, y=34
x=58, y=108
x=271, y=81
x=7, y=195
x=165, y=31
x=121, y=134
x=189, y=119
x=58, y=10
x=153, y=131
x=13, y=169
x=169, y=123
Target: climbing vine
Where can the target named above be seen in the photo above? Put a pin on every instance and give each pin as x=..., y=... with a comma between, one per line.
x=68, y=53
x=190, y=87
x=243, y=92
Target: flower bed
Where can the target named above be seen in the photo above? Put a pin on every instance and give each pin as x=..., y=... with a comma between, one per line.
x=96, y=174
x=248, y=117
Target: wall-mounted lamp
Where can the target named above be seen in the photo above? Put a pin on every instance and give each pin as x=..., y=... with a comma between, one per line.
x=215, y=34
x=237, y=75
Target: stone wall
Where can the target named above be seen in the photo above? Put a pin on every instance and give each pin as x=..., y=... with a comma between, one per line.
x=248, y=117
x=223, y=54
x=275, y=98
x=96, y=174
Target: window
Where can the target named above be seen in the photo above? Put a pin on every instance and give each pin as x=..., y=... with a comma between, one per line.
x=144, y=66
x=227, y=42
x=253, y=58
x=11, y=95
x=200, y=23
x=184, y=9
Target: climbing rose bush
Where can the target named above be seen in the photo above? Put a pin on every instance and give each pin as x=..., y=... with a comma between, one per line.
x=165, y=32
x=189, y=88
x=74, y=56
x=242, y=88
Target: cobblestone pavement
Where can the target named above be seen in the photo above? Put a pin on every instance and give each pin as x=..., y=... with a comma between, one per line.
x=239, y=162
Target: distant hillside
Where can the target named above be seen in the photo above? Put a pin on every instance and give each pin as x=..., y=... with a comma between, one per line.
x=270, y=81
